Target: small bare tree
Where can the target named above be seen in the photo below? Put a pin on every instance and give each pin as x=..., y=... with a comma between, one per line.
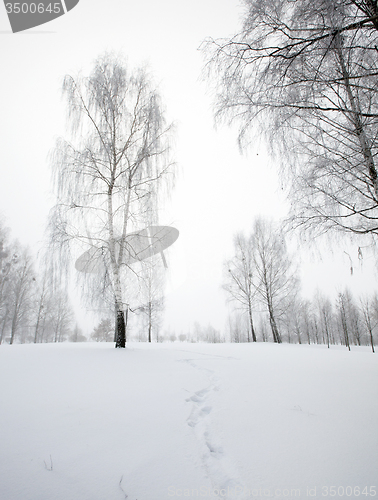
x=240, y=279
x=109, y=178
x=22, y=280
x=77, y=335
x=6, y=261
x=325, y=313
x=103, y=331
x=343, y=307
x=62, y=316
x=41, y=303
x=238, y=327
x=368, y=307
x=293, y=320
x=152, y=296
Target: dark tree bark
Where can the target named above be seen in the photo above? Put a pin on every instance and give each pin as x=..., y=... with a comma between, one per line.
x=251, y=323
x=121, y=329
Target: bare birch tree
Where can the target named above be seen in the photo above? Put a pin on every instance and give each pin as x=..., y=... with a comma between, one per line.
x=304, y=74
x=345, y=326
x=22, y=280
x=109, y=178
x=277, y=281
x=5, y=269
x=371, y=320
x=293, y=320
x=62, y=316
x=261, y=271
x=152, y=296
x=240, y=279
x=41, y=304
x=325, y=313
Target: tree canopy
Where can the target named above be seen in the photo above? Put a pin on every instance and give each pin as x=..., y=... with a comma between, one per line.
x=304, y=75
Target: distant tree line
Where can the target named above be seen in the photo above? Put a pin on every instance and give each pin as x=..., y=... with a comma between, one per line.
x=139, y=332
x=31, y=308
x=34, y=309
x=261, y=280
x=346, y=320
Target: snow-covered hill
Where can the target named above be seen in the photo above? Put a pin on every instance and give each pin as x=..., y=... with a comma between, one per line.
x=161, y=421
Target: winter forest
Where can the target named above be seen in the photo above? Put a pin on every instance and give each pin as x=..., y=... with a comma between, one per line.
x=188, y=251
x=300, y=78
x=260, y=281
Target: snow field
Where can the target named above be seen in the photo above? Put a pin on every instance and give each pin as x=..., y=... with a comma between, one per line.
x=160, y=421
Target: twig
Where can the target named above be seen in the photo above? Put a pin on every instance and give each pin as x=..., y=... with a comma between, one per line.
x=120, y=485
x=51, y=465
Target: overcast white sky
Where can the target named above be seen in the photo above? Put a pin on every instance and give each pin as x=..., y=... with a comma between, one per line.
x=218, y=191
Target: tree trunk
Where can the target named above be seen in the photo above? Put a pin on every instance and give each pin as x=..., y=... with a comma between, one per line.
x=357, y=121
x=327, y=333
x=273, y=324
x=251, y=324
x=120, y=334
x=345, y=326
x=13, y=329
x=298, y=332
x=149, y=321
x=371, y=339
x=5, y=317
x=369, y=326
x=121, y=329
x=37, y=325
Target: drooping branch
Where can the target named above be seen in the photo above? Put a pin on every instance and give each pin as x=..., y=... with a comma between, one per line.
x=303, y=76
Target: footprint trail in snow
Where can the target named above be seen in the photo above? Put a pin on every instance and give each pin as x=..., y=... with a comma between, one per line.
x=219, y=468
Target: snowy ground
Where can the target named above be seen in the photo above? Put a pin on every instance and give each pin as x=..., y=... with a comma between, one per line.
x=161, y=421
